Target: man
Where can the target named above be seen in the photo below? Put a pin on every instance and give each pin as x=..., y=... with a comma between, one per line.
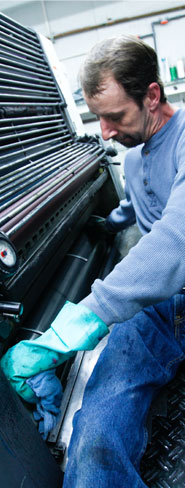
x=143, y=294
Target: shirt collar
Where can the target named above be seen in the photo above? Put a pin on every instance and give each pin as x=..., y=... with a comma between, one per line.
x=159, y=137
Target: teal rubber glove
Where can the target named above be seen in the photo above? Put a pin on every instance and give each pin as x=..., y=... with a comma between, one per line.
x=76, y=328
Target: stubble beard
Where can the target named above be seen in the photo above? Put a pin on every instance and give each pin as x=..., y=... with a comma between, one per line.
x=128, y=140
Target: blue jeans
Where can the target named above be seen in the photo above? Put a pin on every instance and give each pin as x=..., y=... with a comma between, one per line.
x=109, y=436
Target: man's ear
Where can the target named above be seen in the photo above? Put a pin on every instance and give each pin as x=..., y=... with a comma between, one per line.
x=152, y=97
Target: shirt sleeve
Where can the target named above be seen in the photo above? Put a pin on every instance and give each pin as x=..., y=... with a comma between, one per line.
x=122, y=216
x=154, y=270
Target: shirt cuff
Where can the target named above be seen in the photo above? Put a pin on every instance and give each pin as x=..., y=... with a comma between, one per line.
x=91, y=303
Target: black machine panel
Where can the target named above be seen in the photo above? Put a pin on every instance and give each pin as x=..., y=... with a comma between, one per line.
x=51, y=181
x=49, y=177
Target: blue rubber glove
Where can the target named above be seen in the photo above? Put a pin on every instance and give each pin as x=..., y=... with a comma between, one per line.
x=75, y=328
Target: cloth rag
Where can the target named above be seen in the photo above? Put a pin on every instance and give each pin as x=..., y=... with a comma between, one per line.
x=48, y=391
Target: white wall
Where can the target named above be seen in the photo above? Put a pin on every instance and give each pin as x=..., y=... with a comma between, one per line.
x=170, y=41
x=59, y=17
x=55, y=17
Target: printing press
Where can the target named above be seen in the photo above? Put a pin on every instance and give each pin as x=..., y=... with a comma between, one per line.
x=53, y=178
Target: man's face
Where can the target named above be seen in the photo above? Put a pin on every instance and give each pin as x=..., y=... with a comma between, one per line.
x=120, y=117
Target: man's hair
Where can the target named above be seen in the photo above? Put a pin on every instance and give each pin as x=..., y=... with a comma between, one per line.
x=132, y=63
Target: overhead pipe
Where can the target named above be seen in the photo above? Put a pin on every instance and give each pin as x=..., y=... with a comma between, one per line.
x=110, y=23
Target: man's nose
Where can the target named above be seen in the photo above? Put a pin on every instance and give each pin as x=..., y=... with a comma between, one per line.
x=107, y=128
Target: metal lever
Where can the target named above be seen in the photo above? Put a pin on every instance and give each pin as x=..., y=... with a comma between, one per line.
x=11, y=308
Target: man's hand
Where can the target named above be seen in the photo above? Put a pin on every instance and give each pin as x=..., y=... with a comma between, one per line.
x=98, y=229
x=75, y=328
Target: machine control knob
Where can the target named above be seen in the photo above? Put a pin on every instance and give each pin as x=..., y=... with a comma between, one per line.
x=8, y=257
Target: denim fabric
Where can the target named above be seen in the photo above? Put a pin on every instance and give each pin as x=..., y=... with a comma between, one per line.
x=109, y=435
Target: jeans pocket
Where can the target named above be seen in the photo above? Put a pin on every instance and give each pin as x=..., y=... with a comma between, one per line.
x=179, y=320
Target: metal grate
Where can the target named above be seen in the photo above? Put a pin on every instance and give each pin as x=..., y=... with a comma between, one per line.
x=163, y=465
x=32, y=111
x=25, y=74
x=39, y=154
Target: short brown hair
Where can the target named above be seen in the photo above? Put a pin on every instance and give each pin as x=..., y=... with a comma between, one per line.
x=133, y=64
